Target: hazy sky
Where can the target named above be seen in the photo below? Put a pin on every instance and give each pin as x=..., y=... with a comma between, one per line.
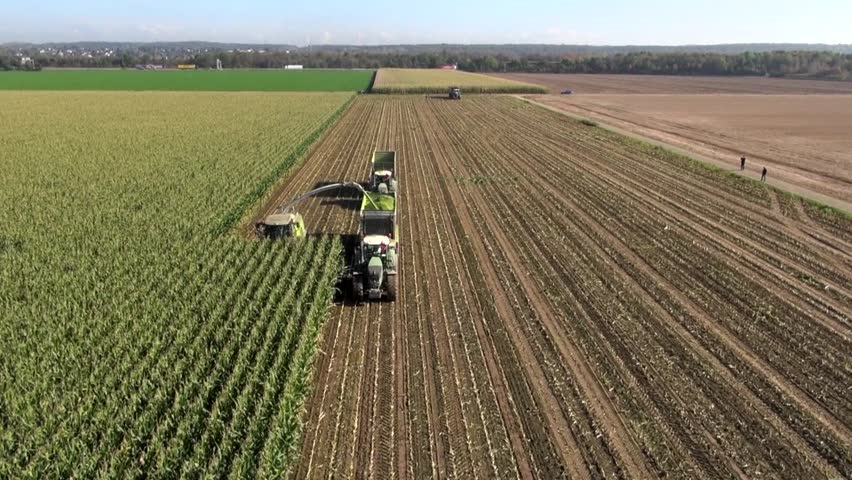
x=612, y=22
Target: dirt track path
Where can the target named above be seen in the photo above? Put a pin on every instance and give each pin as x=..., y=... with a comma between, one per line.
x=807, y=171
x=560, y=317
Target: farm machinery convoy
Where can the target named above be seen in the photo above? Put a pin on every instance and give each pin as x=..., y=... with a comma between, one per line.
x=372, y=269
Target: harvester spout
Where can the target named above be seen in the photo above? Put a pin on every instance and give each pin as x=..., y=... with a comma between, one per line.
x=287, y=222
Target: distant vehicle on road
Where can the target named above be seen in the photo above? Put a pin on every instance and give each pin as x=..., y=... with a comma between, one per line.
x=567, y=92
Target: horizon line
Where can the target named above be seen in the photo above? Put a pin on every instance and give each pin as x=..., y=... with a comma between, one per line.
x=154, y=42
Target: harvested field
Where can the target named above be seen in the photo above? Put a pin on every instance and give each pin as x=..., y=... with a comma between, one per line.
x=574, y=303
x=667, y=84
x=804, y=140
x=415, y=80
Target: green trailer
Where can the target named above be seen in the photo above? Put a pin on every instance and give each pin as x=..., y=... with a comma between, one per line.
x=383, y=172
x=375, y=260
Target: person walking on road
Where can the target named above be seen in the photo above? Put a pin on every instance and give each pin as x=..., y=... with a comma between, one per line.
x=763, y=175
x=742, y=163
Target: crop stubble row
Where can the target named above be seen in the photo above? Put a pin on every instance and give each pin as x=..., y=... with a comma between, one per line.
x=533, y=168
x=573, y=304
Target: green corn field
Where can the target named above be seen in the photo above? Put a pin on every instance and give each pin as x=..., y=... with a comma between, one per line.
x=138, y=334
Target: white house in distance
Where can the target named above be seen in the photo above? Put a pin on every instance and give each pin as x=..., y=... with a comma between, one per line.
x=293, y=67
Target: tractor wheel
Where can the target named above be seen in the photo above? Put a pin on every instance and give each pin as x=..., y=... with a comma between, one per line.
x=391, y=286
x=357, y=289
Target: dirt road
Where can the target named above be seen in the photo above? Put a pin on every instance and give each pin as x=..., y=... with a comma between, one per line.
x=803, y=140
x=569, y=308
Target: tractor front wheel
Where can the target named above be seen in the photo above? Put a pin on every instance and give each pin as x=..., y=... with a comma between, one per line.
x=391, y=293
x=357, y=289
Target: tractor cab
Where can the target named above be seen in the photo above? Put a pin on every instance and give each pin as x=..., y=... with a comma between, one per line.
x=455, y=93
x=379, y=246
x=378, y=254
x=281, y=225
x=384, y=182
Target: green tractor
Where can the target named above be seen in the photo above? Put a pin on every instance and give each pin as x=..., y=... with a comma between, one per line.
x=375, y=261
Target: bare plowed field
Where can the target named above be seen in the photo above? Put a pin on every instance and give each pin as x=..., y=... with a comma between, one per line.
x=804, y=140
x=668, y=84
x=576, y=304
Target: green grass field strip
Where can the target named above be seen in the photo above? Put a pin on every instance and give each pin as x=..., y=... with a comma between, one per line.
x=200, y=80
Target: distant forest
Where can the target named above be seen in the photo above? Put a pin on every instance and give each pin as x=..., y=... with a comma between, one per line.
x=834, y=62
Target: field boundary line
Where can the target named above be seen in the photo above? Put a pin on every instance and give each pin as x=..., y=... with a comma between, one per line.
x=846, y=207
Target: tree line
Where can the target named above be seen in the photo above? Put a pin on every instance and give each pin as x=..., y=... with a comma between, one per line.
x=806, y=64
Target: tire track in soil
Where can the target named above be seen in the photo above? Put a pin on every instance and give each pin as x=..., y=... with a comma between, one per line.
x=600, y=403
x=371, y=380
x=720, y=196
x=794, y=393
x=418, y=200
x=351, y=393
x=458, y=442
x=690, y=308
x=567, y=446
x=379, y=433
x=469, y=348
x=453, y=379
x=832, y=325
x=675, y=180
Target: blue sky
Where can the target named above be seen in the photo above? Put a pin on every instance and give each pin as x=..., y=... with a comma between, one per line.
x=611, y=22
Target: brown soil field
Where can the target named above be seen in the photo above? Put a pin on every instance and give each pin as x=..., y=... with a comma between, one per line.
x=667, y=84
x=575, y=303
x=803, y=140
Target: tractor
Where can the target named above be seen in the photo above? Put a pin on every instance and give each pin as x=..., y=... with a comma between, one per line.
x=373, y=269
